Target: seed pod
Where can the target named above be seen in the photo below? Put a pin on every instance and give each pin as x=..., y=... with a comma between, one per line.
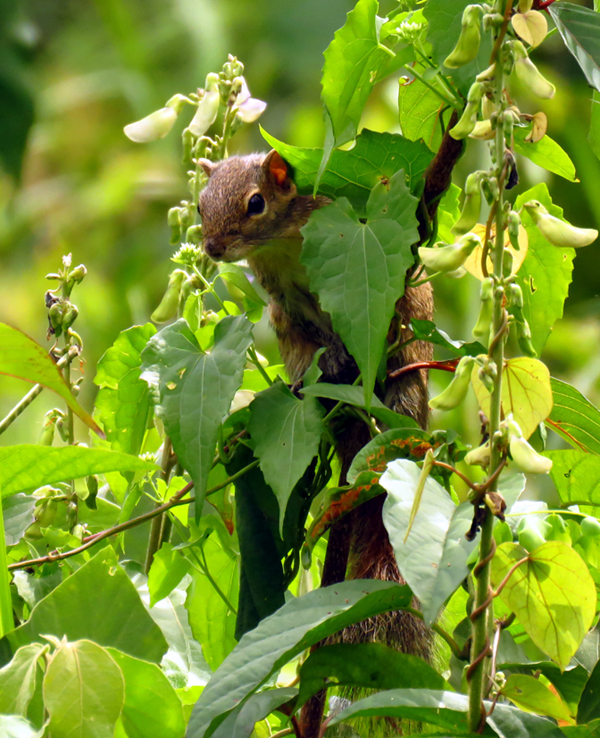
x=524, y=455
x=55, y=315
x=449, y=258
x=208, y=107
x=174, y=221
x=479, y=456
x=483, y=130
x=167, y=308
x=530, y=75
x=194, y=234
x=481, y=331
x=468, y=119
x=69, y=316
x=471, y=206
x=152, y=127
x=532, y=533
x=456, y=391
x=513, y=223
x=467, y=46
x=558, y=232
x=490, y=189
x=515, y=294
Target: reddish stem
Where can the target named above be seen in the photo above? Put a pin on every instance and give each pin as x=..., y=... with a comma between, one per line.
x=447, y=366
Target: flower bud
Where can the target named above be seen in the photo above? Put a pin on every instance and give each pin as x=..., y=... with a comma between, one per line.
x=208, y=107
x=481, y=331
x=488, y=372
x=152, y=127
x=515, y=294
x=170, y=302
x=479, y=456
x=70, y=314
x=530, y=75
x=468, y=119
x=471, y=206
x=490, y=189
x=483, y=130
x=78, y=273
x=467, y=46
x=558, y=232
x=449, y=258
x=55, y=316
x=456, y=391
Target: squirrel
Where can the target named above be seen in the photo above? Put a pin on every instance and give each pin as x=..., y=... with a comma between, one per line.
x=250, y=209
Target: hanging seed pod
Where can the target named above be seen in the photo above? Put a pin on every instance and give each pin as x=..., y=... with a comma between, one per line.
x=467, y=46
x=471, y=206
x=530, y=75
x=449, y=258
x=524, y=455
x=481, y=331
x=456, y=391
x=167, y=308
x=468, y=119
x=558, y=232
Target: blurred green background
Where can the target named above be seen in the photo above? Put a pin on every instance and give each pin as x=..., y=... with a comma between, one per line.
x=84, y=70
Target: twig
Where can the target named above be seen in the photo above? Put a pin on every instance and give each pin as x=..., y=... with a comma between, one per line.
x=447, y=366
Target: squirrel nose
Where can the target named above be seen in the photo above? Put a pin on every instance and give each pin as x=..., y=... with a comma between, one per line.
x=214, y=248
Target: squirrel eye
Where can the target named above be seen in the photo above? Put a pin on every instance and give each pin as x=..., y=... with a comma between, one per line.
x=256, y=204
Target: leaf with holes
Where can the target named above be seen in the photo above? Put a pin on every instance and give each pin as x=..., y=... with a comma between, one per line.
x=526, y=392
x=358, y=270
x=552, y=594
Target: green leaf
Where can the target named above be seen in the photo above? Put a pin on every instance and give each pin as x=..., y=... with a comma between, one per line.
x=353, y=61
x=433, y=559
x=526, y=392
x=589, y=705
x=445, y=21
x=194, y=390
x=368, y=665
x=531, y=695
x=545, y=275
x=167, y=570
x=398, y=443
x=355, y=396
x=13, y=726
x=22, y=357
x=211, y=611
x=18, y=679
x=580, y=30
x=546, y=153
x=84, y=691
x=236, y=276
x=359, y=270
x=285, y=433
x=240, y=722
x=374, y=158
x=574, y=417
x=97, y=602
x=576, y=475
x=551, y=593
x=420, y=113
x=426, y=330
x=18, y=516
x=7, y=622
x=123, y=403
x=569, y=684
x=297, y=625
x=152, y=708
x=29, y=466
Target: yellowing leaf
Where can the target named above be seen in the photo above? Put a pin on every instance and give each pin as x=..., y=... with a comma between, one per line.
x=539, y=126
x=526, y=392
x=473, y=263
x=531, y=26
x=531, y=695
x=552, y=594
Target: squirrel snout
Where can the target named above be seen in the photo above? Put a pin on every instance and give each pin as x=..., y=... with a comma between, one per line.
x=214, y=247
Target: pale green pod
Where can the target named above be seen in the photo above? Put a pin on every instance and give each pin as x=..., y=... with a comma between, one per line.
x=558, y=232
x=468, y=119
x=449, y=258
x=167, y=308
x=467, y=46
x=471, y=206
x=514, y=222
x=456, y=391
x=479, y=456
x=530, y=75
x=208, y=107
x=481, y=331
x=527, y=458
x=153, y=126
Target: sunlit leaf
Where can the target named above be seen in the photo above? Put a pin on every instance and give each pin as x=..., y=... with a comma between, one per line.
x=358, y=269
x=532, y=695
x=18, y=680
x=531, y=26
x=27, y=467
x=552, y=594
x=580, y=30
x=574, y=417
x=420, y=113
x=576, y=475
x=167, y=570
x=240, y=722
x=84, y=691
x=22, y=357
x=545, y=153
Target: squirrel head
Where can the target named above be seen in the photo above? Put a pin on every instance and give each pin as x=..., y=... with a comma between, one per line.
x=246, y=203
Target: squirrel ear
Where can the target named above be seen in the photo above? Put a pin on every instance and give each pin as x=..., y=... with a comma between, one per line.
x=208, y=166
x=278, y=170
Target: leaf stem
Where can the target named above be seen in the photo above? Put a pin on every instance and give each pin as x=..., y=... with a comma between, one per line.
x=433, y=88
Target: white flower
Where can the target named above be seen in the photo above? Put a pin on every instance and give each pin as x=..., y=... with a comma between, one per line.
x=248, y=108
x=152, y=127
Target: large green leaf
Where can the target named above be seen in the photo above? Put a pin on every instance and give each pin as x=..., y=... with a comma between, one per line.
x=358, y=270
x=6, y=610
x=354, y=61
x=285, y=433
x=589, y=705
x=100, y=603
x=123, y=403
x=552, y=594
x=576, y=475
x=532, y=695
x=297, y=625
x=17, y=512
x=368, y=665
x=18, y=679
x=22, y=357
x=433, y=559
x=169, y=566
x=240, y=722
x=29, y=466
x=545, y=153
x=420, y=113
x=448, y=710
x=574, y=417
x=152, y=708
x=84, y=691
x=352, y=395
x=426, y=330
x=352, y=174
x=211, y=612
x=194, y=390
x=580, y=30
x=545, y=275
